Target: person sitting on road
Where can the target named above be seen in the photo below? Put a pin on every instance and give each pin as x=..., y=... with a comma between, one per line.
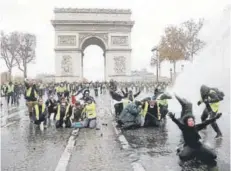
x=130, y=116
x=86, y=96
x=90, y=114
x=40, y=113
x=51, y=104
x=193, y=148
x=64, y=111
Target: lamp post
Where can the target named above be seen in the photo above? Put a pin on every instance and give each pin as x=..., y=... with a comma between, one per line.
x=171, y=74
x=182, y=68
x=156, y=57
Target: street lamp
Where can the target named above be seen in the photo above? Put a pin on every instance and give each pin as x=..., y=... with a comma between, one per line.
x=182, y=68
x=155, y=52
x=171, y=74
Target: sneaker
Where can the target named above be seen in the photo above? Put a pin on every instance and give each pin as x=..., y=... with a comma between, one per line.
x=45, y=126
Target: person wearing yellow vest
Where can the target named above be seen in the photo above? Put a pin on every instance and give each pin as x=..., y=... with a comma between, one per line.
x=143, y=112
x=63, y=115
x=10, y=93
x=162, y=105
x=61, y=91
x=31, y=96
x=90, y=114
x=211, y=98
x=40, y=113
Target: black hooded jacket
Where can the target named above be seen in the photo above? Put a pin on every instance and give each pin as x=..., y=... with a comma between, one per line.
x=190, y=134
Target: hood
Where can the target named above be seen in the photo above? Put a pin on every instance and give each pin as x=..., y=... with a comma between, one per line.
x=204, y=90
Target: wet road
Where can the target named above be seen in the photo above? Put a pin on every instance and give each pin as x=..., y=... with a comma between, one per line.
x=27, y=147
x=156, y=146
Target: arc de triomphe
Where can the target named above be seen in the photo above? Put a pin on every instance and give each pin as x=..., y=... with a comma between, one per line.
x=76, y=29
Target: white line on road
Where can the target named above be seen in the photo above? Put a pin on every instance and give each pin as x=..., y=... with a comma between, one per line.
x=9, y=124
x=63, y=161
x=137, y=167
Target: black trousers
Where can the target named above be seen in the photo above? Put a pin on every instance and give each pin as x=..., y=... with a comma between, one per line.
x=118, y=108
x=209, y=113
x=42, y=118
x=202, y=153
x=52, y=110
x=10, y=95
x=59, y=123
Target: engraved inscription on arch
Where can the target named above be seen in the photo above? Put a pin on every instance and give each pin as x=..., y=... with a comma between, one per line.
x=67, y=40
x=119, y=40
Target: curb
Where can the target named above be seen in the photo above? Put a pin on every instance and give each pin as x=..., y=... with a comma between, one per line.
x=137, y=166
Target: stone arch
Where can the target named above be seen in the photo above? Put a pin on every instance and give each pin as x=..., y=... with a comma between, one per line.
x=93, y=40
x=75, y=29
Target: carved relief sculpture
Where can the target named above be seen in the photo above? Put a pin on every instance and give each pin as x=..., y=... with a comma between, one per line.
x=120, y=65
x=66, y=65
x=67, y=40
x=119, y=40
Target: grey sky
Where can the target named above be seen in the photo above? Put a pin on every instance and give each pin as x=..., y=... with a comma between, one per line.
x=150, y=16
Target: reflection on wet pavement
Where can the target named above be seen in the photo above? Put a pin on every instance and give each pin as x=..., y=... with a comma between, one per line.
x=25, y=146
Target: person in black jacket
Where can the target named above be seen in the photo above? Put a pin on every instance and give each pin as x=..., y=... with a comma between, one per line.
x=193, y=148
x=51, y=104
x=210, y=97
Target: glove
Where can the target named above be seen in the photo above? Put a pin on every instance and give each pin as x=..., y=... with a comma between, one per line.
x=218, y=115
x=171, y=115
x=199, y=103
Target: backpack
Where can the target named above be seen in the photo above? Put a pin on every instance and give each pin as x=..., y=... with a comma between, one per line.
x=219, y=93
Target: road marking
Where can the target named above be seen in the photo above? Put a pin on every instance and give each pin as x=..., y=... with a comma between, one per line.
x=9, y=124
x=137, y=167
x=64, y=160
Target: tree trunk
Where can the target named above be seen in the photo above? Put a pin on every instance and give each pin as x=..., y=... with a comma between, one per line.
x=25, y=69
x=160, y=69
x=10, y=73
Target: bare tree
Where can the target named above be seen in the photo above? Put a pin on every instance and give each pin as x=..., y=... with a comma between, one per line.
x=9, y=48
x=194, y=44
x=26, y=51
x=172, y=45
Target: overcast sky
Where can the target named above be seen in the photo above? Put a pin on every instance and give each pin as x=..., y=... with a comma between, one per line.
x=150, y=16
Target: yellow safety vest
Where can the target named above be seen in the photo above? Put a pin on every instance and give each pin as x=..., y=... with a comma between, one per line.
x=28, y=92
x=162, y=103
x=214, y=106
x=67, y=87
x=37, y=110
x=126, y=102
x=41, y=86
x=61, y=89
x=58, y=112
x=10, y=88
x=144, y=110
x=57, y=89
x=90, y=110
